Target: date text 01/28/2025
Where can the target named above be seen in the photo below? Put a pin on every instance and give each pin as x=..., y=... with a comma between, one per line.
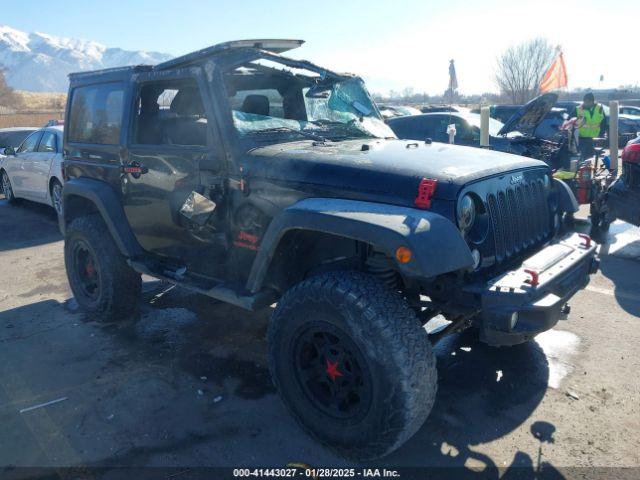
x=315, y=472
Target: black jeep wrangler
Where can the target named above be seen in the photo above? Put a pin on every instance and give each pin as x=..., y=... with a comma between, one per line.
x=258, y=179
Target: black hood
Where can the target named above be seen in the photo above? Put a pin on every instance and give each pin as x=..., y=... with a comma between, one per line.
x=389, y=169
x=529, y=116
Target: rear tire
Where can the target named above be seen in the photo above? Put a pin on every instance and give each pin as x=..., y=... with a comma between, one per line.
x=100, y=278
x=352, y=363
x=7, y=189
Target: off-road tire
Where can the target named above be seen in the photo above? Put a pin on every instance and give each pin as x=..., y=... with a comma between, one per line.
x=395, y=348
x=8, y=195
x=119, y=286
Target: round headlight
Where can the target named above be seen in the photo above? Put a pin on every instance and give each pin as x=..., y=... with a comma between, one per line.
x=466, y=213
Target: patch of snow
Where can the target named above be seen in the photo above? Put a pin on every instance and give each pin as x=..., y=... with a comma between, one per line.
x=623, y=240
x=41, y=62
x=559, y=346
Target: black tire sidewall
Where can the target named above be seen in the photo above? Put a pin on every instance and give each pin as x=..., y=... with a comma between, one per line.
x=338, y=430
x=89, y=304
x=378, y=432
x=119, y=285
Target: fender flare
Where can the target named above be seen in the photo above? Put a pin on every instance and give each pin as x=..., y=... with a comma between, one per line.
x=109, y=205
x=566, y=199
x=435, y=242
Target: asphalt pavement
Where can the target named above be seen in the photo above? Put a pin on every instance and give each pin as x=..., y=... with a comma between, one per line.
x=185, y=384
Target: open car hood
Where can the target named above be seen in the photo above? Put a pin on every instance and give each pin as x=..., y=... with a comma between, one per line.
x=529, y=116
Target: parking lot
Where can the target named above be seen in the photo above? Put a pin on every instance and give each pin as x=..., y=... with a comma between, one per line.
x=185, y=384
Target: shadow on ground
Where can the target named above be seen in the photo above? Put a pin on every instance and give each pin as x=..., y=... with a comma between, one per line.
x=39, y=225
x=484, y=393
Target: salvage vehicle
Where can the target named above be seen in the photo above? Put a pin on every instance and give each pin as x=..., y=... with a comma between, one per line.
x=256, y=179
x=33, y=171
x=516, y=136
x=548, y=128
x=622, y=199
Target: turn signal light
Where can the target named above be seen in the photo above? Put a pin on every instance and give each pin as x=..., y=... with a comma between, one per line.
x=426, y=189
x=403, y=255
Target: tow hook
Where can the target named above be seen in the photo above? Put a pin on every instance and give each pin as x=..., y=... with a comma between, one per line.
x=566, y=310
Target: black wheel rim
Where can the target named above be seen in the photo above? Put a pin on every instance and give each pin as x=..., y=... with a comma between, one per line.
x=332, y=371
x=86, y=270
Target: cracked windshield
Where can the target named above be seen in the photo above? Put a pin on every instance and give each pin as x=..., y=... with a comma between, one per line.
x=269, y=99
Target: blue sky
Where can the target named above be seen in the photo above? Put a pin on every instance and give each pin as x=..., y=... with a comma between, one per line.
x=392, y=44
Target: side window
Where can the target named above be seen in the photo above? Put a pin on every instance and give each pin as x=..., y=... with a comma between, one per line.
x=30, y=143
x=170, y=113
x=48, y=142
x=96, y=114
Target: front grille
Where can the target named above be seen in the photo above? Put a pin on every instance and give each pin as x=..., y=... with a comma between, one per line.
x=519, y=218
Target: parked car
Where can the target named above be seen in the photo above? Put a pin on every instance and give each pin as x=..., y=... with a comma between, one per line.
x=391, y=111
x=501, y=112
x=517, y=136
x=33, y=171
x=439, y=108
x=13, y=137
x=318, y=207
x=547, y=129
x=630, y=110
x=623, y=196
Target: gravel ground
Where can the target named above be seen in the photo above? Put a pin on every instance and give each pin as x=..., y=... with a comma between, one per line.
x=186, y=383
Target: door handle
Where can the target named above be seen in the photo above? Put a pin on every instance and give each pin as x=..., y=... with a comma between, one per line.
x=135, y=169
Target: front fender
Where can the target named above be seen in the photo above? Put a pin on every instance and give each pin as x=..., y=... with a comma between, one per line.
x=435, y=241
x=566, y=199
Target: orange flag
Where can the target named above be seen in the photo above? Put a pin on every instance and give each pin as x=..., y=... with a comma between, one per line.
x=556, y=76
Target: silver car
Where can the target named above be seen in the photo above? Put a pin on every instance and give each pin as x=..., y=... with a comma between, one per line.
x=33, y=171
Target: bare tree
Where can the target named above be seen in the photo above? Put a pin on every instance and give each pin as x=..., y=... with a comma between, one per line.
x=8, y=98
x=521, y=67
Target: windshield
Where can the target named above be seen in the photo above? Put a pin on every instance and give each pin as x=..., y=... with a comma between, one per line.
x=272, y=100
x=474, y=120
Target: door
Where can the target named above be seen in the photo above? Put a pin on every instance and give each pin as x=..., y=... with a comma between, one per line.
x=40, y=160
x=173, y=206
x=20, y=167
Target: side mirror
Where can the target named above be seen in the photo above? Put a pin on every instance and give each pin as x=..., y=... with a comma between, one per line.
x=10, y=152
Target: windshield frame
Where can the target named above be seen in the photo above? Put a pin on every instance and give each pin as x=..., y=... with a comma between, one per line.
x=237, y=59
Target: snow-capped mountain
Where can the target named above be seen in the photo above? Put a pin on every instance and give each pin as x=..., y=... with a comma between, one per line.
x=40, y=62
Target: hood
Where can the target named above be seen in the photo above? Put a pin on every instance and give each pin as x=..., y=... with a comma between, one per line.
x=388, y=169
x=529, y=116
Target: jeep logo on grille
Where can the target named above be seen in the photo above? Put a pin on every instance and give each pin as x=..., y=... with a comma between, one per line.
x=516, y=179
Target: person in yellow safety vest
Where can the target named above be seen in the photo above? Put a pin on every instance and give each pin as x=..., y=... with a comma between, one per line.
x=592, y=123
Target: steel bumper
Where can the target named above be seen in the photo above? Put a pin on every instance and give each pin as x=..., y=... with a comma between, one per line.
x=519, y=304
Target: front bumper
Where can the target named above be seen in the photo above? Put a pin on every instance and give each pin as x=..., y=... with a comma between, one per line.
x=519, y=304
